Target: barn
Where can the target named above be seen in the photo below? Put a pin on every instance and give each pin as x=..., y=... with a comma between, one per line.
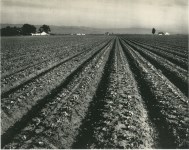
x=44, y=33
x=166, y=33
x=161, y=33
x=36, y=34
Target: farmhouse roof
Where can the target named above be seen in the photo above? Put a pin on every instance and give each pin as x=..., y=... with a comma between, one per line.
x=161, y=33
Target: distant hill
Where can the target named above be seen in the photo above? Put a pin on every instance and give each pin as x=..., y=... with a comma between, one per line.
x=89, y=30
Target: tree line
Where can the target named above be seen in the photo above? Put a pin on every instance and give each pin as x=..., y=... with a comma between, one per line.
x=26, y=29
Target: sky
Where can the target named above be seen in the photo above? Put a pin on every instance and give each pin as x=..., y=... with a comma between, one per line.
x=98, y=13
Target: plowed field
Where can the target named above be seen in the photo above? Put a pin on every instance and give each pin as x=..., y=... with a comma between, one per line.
x=125, y=91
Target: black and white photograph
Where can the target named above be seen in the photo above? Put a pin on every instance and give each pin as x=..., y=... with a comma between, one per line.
x=94, y=74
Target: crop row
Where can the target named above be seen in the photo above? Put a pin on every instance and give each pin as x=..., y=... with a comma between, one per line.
x=174, y=73
x=118, y=118
x=175, y=42
x=23, y=75
x=43, y=53
x=14, y=48
x=172, y=43
x=32, y=59
x=182, y=62
x=167, y=102
x=57, y=123
x=169, y=50
x=17, y=103
x=113, y=92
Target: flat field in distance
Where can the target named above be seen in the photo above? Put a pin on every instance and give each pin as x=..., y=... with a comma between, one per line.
x=94, y=91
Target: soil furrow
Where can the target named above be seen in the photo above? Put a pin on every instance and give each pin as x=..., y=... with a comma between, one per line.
x=59, y=56
x=174, y=59
x=95, y=92
x=31, y=77
x=162, y=100
x=6, y=92
x=145, y=45
x=177, y=76
x=163, y=43
x=40, y=50
x=58, y=106
x=16, y=115
x=108, y=123
x=85, y=136
x=147, y=96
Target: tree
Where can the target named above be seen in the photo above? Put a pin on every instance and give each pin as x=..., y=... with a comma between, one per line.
x=44, y=28
x=10, y=31
x=27, y=29
x=107, y=33
x=153, y=31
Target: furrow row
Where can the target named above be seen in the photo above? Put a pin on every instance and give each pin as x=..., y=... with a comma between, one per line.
x=170, y=51
x=177, y=75
x=165, y=103
x=21, y=101
x=57, y=122
x=179, y=61
x=117, y=117
x=45, y=59
x=21, y=78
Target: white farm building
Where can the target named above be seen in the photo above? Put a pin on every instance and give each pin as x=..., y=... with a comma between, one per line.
x=162, y=33
x=80, y=34
x=166, y=33
x=36, y=34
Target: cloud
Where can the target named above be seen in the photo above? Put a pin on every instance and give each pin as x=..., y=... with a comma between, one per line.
x=20, y=3
x=164, y=3
x=182, y=2
x=98, y=13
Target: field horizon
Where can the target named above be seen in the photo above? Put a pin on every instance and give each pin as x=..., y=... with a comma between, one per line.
x=56, y=29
